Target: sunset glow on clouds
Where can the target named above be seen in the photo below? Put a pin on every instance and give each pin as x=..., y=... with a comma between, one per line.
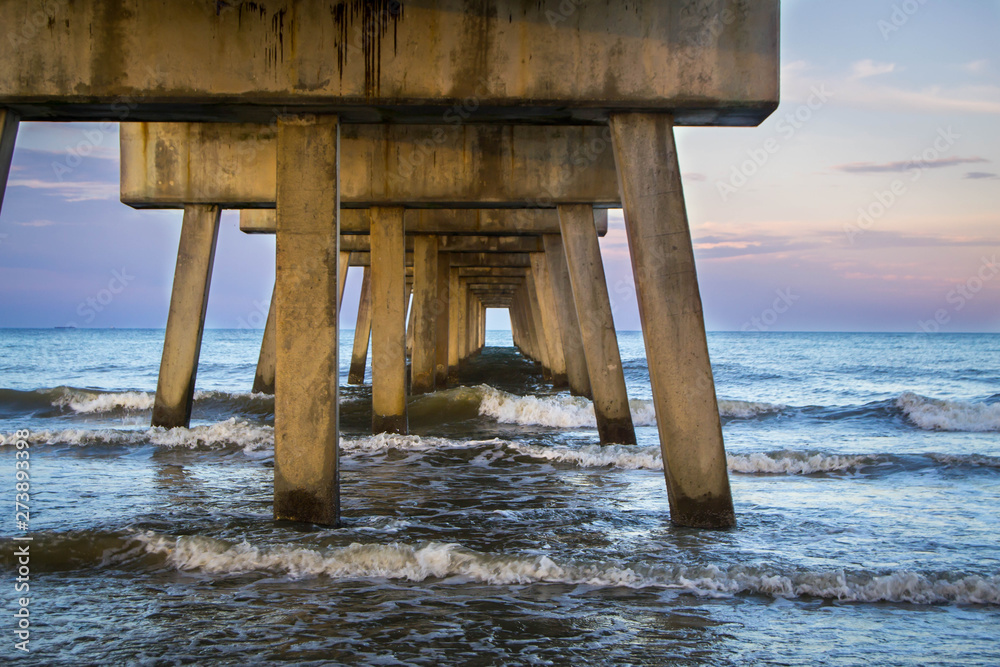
x=871, y=195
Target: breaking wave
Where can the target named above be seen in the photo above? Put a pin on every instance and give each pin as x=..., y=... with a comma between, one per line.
x=451, y=564
x=934, y=414
x=229, y=433
x=576, y=412
x=637, y=458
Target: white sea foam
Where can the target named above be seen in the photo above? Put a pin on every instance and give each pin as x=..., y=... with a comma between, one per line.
x=631, y=457
x=747, y=409
x=249, y=437
x=90, y=402
x=386, y=441
x=87, y=402
x=453, y=565
x=934, y=414
x=794, y=463
x=576, y=412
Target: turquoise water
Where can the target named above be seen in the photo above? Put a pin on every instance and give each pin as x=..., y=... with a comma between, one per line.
x=865, y=471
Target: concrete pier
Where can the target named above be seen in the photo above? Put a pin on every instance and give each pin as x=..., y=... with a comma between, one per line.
x=673, y=326
x=425, y=285
x=380, y=138
x=388, y=321
x=8, y=135
x=186, y=320
x=306, y=444
x=597, y=327
x=362, y=331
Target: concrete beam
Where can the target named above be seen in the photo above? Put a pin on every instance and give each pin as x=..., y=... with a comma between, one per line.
x=306, y=443
x=444, y=221
x=233, y=165
x=510, y=272
x=8, y=135
x=462, y=259
x=711, y=62
x=186, y=320
x=448, y=244
x=673, y=326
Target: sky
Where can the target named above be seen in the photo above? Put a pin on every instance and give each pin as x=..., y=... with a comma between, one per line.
x=869, y=201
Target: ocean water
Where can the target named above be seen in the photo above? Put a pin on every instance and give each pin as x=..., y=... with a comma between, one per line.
x=865, y=469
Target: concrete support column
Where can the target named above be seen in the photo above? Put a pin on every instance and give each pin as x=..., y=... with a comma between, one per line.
x=8, y=135
x=673, y=325
x=454, y=295
x=388, y=260
x=263, y=381
x=425, y=285
x=538, y=327
x=463, y=322
x=569, y=326
x=306, y=449
x=597, y=327
x=482, y=326
x=441, y=320
x=526, y=332
x=471, y=332
x=186, y=321
x=524, y=326
x=343, y=263
x=362, y=331
x=550, y=322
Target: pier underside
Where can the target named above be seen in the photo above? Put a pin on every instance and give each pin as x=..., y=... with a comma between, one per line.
x=462, y=152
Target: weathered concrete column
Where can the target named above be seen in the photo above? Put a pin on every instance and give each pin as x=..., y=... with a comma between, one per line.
x=463, y=322
x=538, y=326
x=454, y=294
x=263, y=381
x=673, y=325
x=597, y=326
x=569, y=326
x=441, y=321
x=524, y=335
x=388, y=243
x=539, y=278
x=186, y=321
x=8, y=135
x=482, y=325
x=343, y=263
x=306, y=446
x=362, y=331
x=425, y=284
